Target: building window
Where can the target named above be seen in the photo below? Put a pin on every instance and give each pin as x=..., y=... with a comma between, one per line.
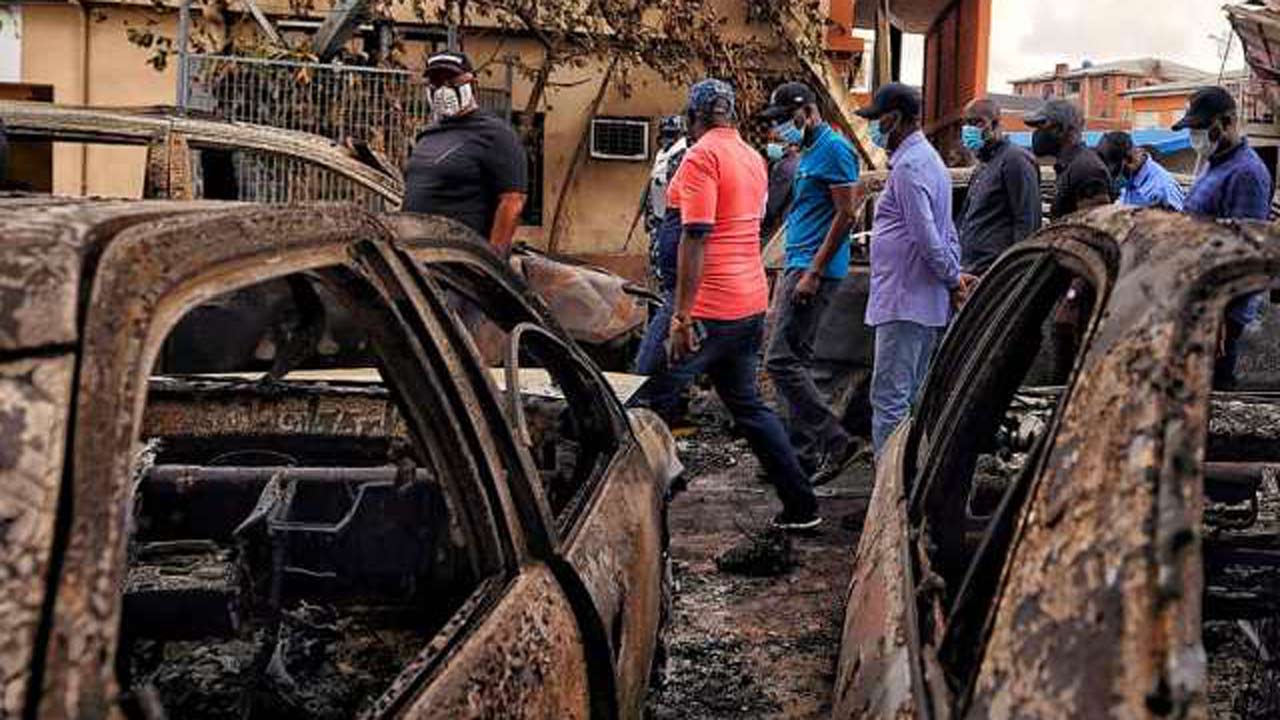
x=620, y=139
x=1073, y=87
x=1147, y=119
x=1106, y=84
x=533, y=150
x=1046, y=91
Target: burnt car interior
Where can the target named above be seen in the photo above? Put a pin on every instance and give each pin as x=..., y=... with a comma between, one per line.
x=295, y=546
x=980, y=448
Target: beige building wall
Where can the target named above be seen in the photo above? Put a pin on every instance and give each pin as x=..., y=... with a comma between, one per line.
x=87, y=58
x=92, y=63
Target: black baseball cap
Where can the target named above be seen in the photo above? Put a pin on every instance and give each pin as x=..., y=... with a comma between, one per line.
x=449, y=61
x=1206, y=104
x=892, y=97
x=787, y=98
x=1063, y=113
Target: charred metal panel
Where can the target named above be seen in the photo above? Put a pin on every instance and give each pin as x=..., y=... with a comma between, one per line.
x=527, y=660
x=214, y=407
x=877, y=676
x=35, y=396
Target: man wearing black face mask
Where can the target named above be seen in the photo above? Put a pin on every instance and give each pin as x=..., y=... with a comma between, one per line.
x=468, y=165
x=1083, y=180
x=1235, y=184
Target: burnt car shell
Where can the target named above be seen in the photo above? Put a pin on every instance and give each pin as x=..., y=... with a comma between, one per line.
x=89, y=292
x=1085, y=592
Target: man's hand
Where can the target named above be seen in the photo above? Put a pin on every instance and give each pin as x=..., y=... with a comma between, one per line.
x=806, y=288
x=681, y=340
x=960, y=293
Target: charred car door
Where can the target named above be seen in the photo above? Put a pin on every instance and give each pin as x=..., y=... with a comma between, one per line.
x=502, y=638
x=949, y=495
x=592, y=475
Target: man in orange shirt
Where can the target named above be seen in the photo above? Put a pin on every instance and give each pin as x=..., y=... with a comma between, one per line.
x=721, y=293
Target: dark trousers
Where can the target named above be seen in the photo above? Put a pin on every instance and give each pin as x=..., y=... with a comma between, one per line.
x=789, y=360
x=728, y=356
x=652, y=354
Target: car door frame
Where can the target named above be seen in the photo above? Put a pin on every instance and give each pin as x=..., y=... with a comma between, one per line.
x=567, y=544
x=147, y=278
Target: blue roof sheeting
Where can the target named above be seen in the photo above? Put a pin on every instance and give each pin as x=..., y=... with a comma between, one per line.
x=1164, y=141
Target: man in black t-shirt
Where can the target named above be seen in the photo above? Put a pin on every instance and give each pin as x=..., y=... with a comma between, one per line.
x=467, y=165
x=1083, y=180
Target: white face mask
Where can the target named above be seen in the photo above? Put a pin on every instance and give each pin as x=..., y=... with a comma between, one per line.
x=447, y=101
x=1200, y=142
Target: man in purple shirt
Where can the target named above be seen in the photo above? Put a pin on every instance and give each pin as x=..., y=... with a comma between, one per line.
x=915, y=258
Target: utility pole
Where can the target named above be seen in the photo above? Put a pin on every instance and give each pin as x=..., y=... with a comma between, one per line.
x=184, y=32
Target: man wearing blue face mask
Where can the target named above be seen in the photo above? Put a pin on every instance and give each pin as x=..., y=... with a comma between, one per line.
x=826, y=200
x=784, y=157
x=1002, y=206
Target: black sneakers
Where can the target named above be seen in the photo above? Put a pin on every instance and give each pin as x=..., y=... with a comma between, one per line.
x=793, y=522
x=834, y=461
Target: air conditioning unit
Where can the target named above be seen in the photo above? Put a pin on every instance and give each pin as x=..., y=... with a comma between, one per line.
x=620, y=139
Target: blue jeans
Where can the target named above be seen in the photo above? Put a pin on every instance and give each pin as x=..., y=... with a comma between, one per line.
x=652, y=354
x=902, y=358
x=729, y=357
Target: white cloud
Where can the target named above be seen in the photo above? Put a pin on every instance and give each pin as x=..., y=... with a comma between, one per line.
x=1031, y=36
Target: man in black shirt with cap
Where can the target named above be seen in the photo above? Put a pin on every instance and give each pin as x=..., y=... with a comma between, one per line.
x=1083, y=180
x=467, y=165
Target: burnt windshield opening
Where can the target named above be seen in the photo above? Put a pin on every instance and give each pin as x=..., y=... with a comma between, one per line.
x=295, y=545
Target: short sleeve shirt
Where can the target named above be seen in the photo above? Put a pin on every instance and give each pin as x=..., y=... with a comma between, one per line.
x=721, y=186
x=829, y=162
x=1081, y=175
x=460, y=166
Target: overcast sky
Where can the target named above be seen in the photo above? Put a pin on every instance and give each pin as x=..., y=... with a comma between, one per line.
x=1030, y=36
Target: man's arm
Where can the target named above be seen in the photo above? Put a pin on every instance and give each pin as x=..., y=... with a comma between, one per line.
x=1022, y=187
x=1248, y=197
x=938, y=255
x=1095, y=187
x=847, y=200
x=505, y=221
x=690, y=257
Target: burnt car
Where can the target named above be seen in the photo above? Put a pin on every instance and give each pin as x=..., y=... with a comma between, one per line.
x=416, y=533
x=1104, y=548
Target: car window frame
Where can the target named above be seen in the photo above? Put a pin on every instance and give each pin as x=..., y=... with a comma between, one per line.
x=111, y=390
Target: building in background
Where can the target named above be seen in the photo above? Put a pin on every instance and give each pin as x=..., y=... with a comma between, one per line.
x=592, y=147
x=1099, y=88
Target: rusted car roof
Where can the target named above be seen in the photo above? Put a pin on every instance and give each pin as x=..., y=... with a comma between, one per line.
x=1097, y=609
x=142, y=126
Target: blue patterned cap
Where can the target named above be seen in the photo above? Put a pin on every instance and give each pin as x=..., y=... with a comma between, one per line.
x=711, y=97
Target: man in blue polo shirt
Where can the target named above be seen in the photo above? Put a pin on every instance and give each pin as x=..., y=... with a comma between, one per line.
x=1141, y=180
x=1235, y=184
x=825, y=202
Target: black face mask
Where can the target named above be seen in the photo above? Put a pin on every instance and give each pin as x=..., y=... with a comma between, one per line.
x=1045, y=142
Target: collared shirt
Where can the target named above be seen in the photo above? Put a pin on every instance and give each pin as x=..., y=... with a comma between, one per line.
x=664, y=167
x=915, y=255
x=1236, y=185
x=830, y=161
x=1002, y=206
x=1081, y=175
x=1152, y=186
x=720, y=187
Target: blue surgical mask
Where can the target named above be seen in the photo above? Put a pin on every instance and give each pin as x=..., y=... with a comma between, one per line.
x=774, y=151
x=877, y=138
x=790, y=134
x=972, y=138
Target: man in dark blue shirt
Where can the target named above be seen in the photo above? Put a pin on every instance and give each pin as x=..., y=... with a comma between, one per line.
x=1233, y=184
x=825, y=201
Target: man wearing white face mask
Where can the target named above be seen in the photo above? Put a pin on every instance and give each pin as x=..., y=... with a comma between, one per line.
x=1234, y=184
x=467, y=165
